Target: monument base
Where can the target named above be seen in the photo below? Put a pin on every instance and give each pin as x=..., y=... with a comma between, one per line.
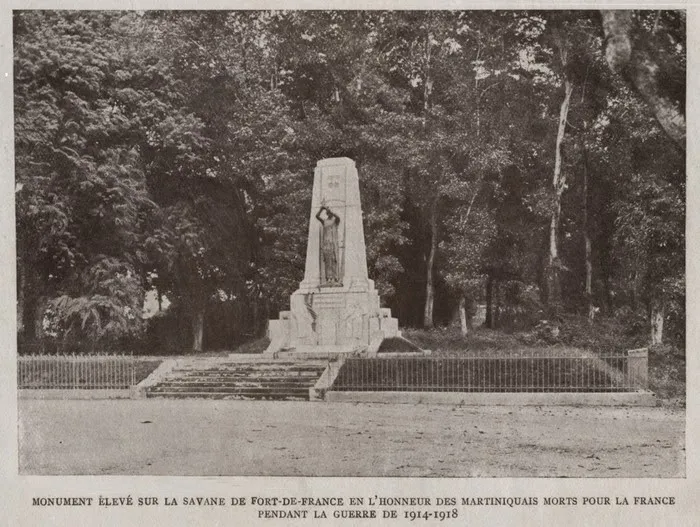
x=337, y=320
x=317, y=352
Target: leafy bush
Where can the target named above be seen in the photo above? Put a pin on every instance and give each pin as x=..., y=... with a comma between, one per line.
x=521, y=308
x=603, y=336
x=108, y=310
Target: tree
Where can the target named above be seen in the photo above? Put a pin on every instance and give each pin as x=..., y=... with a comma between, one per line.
x=213, y=199
x=648, y=51
x=571, y=36
x=638, y=211
x=82, y=118
x=554, y=264
x=446, y=152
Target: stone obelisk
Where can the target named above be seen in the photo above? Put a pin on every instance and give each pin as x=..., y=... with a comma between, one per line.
x=336, y=308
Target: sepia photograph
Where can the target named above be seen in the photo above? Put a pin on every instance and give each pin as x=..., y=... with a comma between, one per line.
x=350, y=243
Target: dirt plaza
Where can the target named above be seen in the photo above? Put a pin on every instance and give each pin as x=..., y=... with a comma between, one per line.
x=258, y=438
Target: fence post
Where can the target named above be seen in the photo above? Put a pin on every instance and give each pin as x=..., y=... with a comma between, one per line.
x=638, y=366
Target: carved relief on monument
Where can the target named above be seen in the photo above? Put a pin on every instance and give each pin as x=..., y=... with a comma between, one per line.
x=354, y=321
x=304, y=320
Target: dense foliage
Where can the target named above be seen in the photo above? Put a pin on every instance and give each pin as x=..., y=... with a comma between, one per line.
x=512, y=158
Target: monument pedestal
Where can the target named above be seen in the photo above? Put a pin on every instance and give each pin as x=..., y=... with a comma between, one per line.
x=332, y=320
x=334, y=317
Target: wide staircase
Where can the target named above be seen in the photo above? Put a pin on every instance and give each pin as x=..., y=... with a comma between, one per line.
x=233, y=379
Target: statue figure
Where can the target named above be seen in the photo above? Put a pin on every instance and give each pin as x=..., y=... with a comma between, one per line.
x=329, y=244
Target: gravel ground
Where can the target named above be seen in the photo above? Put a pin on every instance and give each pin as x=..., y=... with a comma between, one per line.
x=207, y=437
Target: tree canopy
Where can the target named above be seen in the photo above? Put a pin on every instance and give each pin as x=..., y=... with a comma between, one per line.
x=532, y=161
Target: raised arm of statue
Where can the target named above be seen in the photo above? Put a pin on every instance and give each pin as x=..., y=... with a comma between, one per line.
x=332, y=215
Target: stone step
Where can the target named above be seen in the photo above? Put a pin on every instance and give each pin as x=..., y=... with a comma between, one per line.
x=287, y=365
x=251, y=384
x=247, y=373
x=240, y=380
x=231, y=389
x=280, y=396
x=247, y=378
x=290, y=366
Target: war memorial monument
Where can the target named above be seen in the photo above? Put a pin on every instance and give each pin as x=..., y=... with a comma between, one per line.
x=336, y=309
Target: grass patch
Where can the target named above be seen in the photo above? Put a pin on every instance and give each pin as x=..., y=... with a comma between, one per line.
x=144, y=368
x=250, y=347
x=482, y=342
x=398, y=345
x=258, y=345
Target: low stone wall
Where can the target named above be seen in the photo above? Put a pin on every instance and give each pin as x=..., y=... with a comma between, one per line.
x=639, y=398
x=319, y=390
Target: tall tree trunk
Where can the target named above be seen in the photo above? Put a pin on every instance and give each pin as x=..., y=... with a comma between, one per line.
x=428, y=80
x=463, y=316
x=254, y=310
x=497, y=310
x=38, y=317
x=587, y=242
x=488, y=322
x=608, y=294
x=558, y=185
x=657, y=321
x=429, y=285
x=635, y=289
x=589, y=278
x=198, y=328
x=631, y=56
x=21, y=272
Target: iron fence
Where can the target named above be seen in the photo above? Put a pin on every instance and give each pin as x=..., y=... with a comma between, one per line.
x=607, y=373
x=76, y=372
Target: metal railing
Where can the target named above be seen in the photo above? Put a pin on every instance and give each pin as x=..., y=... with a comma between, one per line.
x=76, y=372
x=606, y=373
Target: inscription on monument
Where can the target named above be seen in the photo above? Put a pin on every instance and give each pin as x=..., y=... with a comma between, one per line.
x=333, y=181
x=334, y=187
x=336, y=301
x=328, y=332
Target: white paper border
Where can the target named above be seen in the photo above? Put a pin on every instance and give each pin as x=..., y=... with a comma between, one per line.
x=18, y=491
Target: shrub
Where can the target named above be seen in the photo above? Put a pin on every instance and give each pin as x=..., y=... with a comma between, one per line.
x=603, y=336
